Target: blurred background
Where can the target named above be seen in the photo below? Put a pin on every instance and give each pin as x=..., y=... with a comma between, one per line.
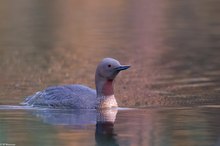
x=173, y=47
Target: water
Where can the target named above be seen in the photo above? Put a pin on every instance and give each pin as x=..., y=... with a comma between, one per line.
x=173, y=47
x=151, y=126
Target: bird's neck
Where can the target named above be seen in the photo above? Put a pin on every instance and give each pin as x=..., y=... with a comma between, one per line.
x=105, y=93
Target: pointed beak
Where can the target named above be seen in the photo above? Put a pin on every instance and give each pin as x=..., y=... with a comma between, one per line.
x=122, y=67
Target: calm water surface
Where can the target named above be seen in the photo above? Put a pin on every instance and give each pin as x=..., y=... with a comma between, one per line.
x=152, y=126
x=173, y=47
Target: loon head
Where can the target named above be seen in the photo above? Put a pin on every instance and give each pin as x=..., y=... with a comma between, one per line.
x=108, y=68
x=106, y=72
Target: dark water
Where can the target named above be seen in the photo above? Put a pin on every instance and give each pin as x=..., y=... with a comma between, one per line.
x=173, y=47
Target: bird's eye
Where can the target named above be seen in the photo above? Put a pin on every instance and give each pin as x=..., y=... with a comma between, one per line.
x=109, y=65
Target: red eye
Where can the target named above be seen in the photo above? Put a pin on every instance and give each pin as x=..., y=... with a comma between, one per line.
x=109, y=65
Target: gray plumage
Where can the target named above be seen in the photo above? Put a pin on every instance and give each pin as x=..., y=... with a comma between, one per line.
x=67, y=96
x=79, y=96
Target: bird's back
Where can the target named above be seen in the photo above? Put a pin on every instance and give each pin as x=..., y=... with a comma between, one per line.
x=67, y=96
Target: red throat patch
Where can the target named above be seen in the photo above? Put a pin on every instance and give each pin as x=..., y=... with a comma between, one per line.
x=108, y=88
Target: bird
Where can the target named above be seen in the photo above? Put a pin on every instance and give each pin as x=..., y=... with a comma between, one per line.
x=77, y=96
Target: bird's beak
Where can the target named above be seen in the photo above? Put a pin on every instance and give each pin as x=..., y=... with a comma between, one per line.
x=122, y=67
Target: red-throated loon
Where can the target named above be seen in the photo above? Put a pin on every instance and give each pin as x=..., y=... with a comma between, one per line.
x=79, y=96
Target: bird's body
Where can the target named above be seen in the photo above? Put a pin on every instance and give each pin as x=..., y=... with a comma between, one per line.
x=79, y=96
x=66, y=96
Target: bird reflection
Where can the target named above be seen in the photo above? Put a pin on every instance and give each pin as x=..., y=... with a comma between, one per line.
x=104, y=134
x=103, y=119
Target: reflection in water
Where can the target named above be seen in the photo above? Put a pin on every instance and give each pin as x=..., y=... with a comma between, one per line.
x=75, y=116
x=152, y=126
x=68, y=117
x=104, y=134
x=80, y=119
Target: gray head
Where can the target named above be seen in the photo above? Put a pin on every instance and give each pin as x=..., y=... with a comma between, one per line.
x=106, y=72
x=108, y=68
